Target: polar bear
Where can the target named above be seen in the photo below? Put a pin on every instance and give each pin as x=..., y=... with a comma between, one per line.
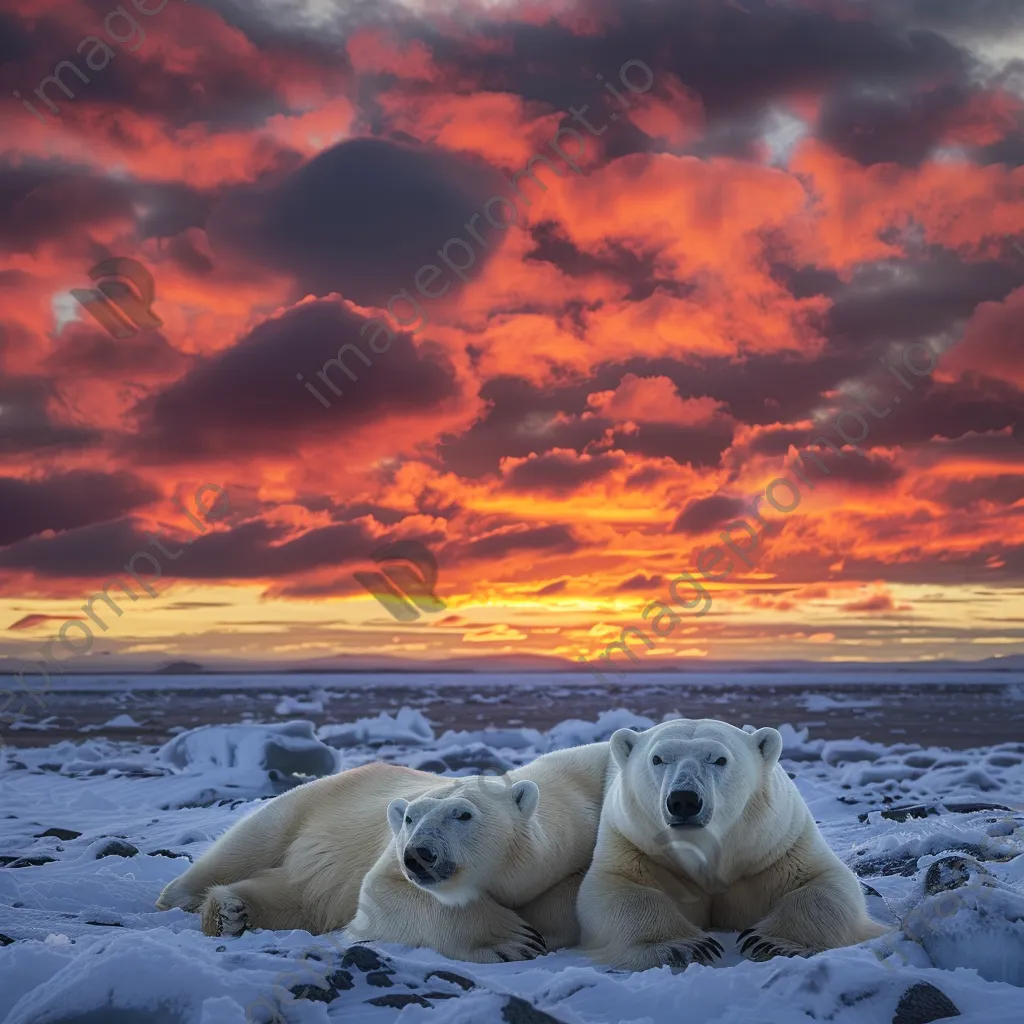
x=702, y=828
x=480, y=868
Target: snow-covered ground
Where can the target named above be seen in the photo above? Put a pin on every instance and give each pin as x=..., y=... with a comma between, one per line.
x=90, y=832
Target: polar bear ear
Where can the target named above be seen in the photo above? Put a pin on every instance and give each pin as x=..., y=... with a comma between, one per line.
x=622, y=743
x=769, y=742
x=396, y=814
x=526, y=794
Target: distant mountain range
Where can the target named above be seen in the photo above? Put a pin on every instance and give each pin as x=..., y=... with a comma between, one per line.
x=525, y=664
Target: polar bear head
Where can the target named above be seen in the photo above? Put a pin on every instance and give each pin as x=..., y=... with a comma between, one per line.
x=452, y=840
x=689, y=775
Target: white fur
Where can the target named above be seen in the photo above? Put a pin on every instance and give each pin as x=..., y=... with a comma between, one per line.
x=331, y=853
x=750, y=858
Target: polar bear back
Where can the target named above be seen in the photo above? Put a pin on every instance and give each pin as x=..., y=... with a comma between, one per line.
x=561, y=834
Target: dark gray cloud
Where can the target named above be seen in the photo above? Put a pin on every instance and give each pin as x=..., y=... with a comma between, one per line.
x=362, y=218
x=560, y=473
x=64, y=501
x=558, y=587
x=27, y=423
x=640, y=582
x=84, y=351
x=875, y=127
x=252, y=550
x=247, y=398
x=556, y=539
x=1003, y=489
x=706, y=513
x=231, y=90
x=55, y=201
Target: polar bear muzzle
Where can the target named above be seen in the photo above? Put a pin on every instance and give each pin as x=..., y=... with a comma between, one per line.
x=426, y=865
x=688, y=796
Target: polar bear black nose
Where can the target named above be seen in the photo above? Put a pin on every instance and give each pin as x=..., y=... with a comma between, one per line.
x=684, y=803
x=422, y=855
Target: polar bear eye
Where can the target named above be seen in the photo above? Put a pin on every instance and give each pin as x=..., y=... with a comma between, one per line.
x=722, y=762
x=656, y=760
x=465, y=816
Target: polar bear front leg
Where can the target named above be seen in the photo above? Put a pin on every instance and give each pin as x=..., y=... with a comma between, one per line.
x=627, y=919
x=553, y=912
x=266, y=901
x=392, y=909
x=825, y=913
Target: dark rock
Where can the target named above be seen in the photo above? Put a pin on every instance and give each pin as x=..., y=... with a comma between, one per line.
x=951, y=873
x=853, y=998
x=106, y=924
x=363, y=958
x=456, y=979
x=974, y=808
x=519, y=1011
x=379, y=979
x=5, y=940
x=900, y=864
x=398, y=1000
x=341, y=981
x=116, y=848
x=901, y=814
x=923, y=1003
x=28, y=862
x=168, y=853
x=314, y=993
x=441, y=995
x=64, y=834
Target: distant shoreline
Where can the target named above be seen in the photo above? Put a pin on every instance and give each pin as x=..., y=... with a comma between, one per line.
x=1008, y=664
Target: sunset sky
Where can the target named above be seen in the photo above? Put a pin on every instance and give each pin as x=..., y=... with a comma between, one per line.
x=603, y=378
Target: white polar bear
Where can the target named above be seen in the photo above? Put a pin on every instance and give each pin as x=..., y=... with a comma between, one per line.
x=481, y=868
x=702, y=828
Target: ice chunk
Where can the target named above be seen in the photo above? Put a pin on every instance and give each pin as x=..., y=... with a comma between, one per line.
x=407, y=727
x=575, y=732
x=298, y=706
x=289, y=748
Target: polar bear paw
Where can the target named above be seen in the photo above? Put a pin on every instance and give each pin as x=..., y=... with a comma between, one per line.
x=704, y=950
x=224, y=913
x=511, y=938
x=678, y=954
x=757, y=946
x=527, y=944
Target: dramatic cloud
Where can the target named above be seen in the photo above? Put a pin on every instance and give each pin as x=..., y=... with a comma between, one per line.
x=558, y=472
x=362, y=219
x=247, y=398
x=797, y=229
x=65, y=501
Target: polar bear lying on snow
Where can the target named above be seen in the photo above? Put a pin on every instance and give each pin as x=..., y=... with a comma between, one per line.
x=702, y=828
x=482, y=869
